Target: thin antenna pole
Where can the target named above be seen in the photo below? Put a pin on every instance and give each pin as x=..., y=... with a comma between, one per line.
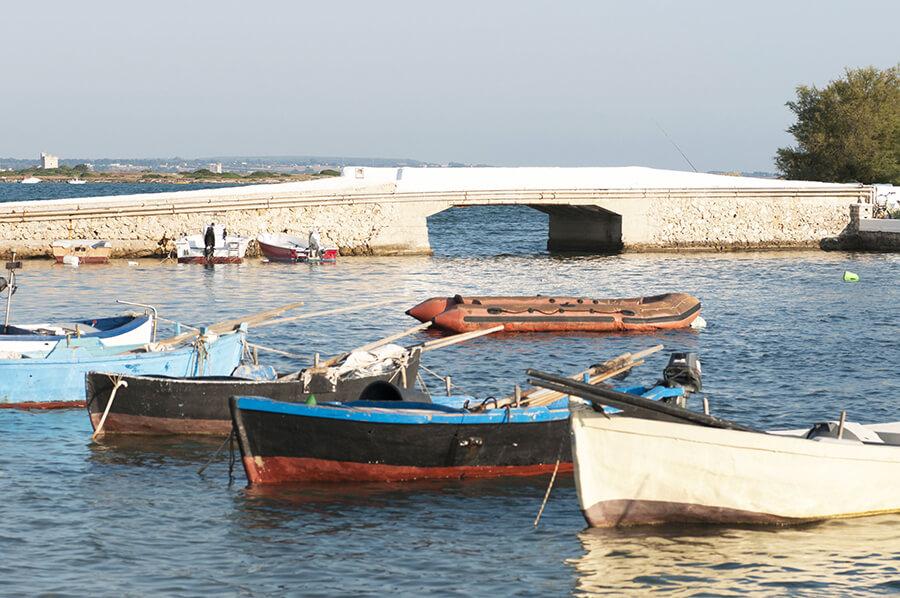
x=686, y=159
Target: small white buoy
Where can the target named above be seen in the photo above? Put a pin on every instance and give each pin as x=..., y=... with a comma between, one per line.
x=699, y=323
x=131, y=263
x=70, y=260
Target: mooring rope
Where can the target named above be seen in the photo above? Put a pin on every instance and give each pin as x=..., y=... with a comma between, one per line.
x=202, y=355
x=216, y=454
x=550, y=485
x=118, y=382
x=421, y=381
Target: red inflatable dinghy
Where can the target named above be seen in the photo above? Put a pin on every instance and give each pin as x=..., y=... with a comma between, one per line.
x=559, y=314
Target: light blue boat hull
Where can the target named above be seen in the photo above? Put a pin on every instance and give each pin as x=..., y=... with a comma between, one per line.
x=59, y=378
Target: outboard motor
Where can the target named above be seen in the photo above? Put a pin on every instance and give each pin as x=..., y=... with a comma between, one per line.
x=3, y=284
x=683, y=370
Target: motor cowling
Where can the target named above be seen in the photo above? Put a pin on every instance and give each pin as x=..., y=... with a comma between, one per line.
x=683, y=370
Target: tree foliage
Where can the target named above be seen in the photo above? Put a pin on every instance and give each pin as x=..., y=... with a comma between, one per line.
x=847, y=132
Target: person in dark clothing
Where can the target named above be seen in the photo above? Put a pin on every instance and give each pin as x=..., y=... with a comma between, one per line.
x=209, y=242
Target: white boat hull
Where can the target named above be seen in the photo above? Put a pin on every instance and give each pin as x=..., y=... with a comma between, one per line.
x=230, y=250
x=39, y=346
x=631, y=471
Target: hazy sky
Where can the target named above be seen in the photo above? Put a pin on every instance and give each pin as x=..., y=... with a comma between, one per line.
x=504, y=83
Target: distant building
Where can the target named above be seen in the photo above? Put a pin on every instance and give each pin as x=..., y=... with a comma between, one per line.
x=49, y=161
x=216, y=168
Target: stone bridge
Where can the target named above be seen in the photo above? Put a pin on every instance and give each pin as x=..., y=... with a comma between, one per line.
x=383, y=211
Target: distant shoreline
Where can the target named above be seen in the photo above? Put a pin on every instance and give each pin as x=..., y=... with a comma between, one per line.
x=157, y=177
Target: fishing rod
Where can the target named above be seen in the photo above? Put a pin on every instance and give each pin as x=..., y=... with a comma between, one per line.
x=672, y=141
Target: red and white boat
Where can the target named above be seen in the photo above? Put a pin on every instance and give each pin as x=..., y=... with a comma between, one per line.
x=288, y=248
x=227, y=249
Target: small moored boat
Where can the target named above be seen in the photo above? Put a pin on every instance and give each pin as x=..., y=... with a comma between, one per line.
x=289, y=248
x=87, y=251
x=30, y=180
x=560, y=314
x=637, y=471
x=199, y=405
x=36, y=340
x=378, y=440
x=58, y=379
x=655, y=463
x=214, y=246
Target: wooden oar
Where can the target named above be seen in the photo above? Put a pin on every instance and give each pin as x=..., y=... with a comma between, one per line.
x=255, y=320
x=440, y=343
x=545, y=399
x=331, y=312
x=601, y=396
x=375, y=344
x=597, y=373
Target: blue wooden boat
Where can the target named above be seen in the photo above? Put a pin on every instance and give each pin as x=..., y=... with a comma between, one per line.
x=390, y=441
x=37, y=340
x=58, y=380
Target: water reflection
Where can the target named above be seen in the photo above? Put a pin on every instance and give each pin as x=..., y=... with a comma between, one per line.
x=156, y=451
x=846, y=556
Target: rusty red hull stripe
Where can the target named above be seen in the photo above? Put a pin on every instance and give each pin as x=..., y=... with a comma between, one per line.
x=272, y=470
x=119, y=423
x=43, y=405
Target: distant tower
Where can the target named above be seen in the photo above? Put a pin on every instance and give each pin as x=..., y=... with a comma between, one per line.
x=49, y=161
x=216, y=167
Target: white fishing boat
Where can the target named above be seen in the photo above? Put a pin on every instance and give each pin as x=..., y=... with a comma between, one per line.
x=30, y=180
x=214, y=246
x=85, y=251
x=76, y=182
x=636, y=471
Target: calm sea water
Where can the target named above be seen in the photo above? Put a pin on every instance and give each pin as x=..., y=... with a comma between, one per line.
x=787, y=343
x=61, y=190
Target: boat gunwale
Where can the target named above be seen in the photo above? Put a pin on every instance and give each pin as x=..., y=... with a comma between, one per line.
x=386, y=413
x=133, y=323
x=821, y=447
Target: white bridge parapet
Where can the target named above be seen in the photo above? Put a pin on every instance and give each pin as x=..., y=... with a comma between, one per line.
x=384, y=210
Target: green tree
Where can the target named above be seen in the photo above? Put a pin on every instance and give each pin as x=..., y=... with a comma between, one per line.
x=847, y=132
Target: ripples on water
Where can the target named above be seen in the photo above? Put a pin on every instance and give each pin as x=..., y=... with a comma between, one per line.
x=787, y=343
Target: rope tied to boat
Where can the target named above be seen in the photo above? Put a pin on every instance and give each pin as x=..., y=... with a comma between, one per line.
x=202, y=354
x=537, y=519
x=118, y=382
x=401, y=364
x=442, y=378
